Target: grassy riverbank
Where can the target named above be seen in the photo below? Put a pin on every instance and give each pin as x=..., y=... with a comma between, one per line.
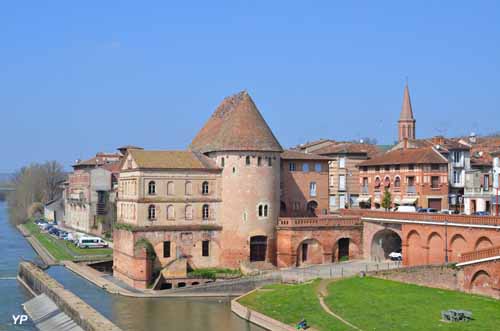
x=63, y=250
x=373, y=304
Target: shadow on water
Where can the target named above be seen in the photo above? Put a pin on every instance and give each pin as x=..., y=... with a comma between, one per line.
x=128, y=313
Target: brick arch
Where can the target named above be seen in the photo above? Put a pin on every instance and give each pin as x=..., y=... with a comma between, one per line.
x=385, y=242
x=435, y=249
x=354, y=247
x=482, y=243
x=414, y=249
x=314, y=253
x=458, y=245
x=481, y=282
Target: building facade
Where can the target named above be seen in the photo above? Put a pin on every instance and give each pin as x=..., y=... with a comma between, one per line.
x=304, y=184
x=343, y=180
x=417, y=176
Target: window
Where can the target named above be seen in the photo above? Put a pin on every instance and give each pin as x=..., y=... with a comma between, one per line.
x=397, y=167
x=204, y=188
x=411, y=167
x=263, y=210
x=188, y=212
x=397, y=182
x=152, y=188
x=101, y=197
x=342, y=162
x=151, y=212
x=377, y=168
x=189, y=188
x=434, y=167
x=292, y=166
x=222, y=162
x=170, y=188
x=332, y=180
x=486, y=182
x=457, y=177
x=435, y=182
x=269, y=162
x=205, y=245
x=166, y=249
x=305, y=167
x=456, y=156
x=312, y=189
x=377, y=182
x=387, y=168
x=342, y=182
x=247, y=160
x=206, y=212
x=259, y=161
x=170, y=212
x=318, y=167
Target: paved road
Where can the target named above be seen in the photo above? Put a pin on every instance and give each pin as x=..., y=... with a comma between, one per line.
x=336, y=270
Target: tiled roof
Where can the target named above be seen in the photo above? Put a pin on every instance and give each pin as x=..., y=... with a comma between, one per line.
x=313, y=143
x=113, y=166
x=426, y=155
x=349, y=148
x=172, y=160
x=445, y=144
x=296, y=155
x=99, y=160
x=236, y=125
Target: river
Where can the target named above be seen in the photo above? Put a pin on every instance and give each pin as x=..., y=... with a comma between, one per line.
x=128, y=313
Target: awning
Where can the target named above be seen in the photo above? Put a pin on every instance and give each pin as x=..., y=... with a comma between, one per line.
x=376, y=200
x=364, y=199
x=397, y=200
x=409, y=201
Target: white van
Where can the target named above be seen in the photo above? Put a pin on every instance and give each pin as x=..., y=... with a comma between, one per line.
x=91, y=242
x=406, y=209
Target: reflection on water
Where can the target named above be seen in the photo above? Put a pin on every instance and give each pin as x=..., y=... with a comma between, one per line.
x=128, y=313
x=155, y=314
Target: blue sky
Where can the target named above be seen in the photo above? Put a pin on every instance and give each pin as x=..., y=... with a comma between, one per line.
x=88, y=76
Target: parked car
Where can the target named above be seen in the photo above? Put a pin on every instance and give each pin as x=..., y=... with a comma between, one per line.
x=449, y=212
x=405, y=209
x=427, y=210
x=396, y=256
x=46, y=226
x=40, y=221
x=54, y=231
x=481, y=213
x=91, y=242
x=62, y=234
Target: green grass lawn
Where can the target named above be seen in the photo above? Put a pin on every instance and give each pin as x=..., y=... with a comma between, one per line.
x=291, y=303
x=64, y=250
x=374, y=304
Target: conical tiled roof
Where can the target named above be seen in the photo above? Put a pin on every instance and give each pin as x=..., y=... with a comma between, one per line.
x=406, y=111
x=236, y=125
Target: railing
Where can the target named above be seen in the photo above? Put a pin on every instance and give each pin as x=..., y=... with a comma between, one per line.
x=318, y=221
x=477, y=190
x=480, y=254
x=425, y=217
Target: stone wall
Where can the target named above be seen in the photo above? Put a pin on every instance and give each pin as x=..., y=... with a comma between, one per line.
x=80, y=312
x=431, y=276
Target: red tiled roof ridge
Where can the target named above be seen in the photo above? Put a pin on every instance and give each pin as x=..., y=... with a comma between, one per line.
x=423, y=155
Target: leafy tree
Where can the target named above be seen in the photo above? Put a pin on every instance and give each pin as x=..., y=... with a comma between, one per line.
x=386, y=199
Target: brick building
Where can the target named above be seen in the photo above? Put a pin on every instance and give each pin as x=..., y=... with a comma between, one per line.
x=343, y=182
x=90, y=194
x=304, y=184
x=417, y=176
x=238, y=157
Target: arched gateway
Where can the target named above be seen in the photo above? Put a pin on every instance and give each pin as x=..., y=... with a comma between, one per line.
x=384, y=243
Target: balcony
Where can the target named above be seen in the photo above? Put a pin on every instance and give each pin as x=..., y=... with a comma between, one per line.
x=411, y=189
x=477, y=192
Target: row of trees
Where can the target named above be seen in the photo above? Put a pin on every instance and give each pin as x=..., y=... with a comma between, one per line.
x=34, y=185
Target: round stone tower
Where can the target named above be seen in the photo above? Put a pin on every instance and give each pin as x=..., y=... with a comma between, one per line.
x=239, y=140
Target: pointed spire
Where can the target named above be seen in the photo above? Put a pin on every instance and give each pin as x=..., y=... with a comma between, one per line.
x=406, y=111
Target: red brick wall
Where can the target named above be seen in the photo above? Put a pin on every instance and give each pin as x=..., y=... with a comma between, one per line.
x=295, y=187
x=483, y=278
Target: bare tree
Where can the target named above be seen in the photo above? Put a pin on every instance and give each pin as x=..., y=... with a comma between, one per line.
x=36, y=183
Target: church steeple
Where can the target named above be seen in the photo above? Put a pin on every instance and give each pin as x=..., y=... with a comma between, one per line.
x=406, y=121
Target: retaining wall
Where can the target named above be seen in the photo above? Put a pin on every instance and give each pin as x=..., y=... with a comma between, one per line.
x=80, y=312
